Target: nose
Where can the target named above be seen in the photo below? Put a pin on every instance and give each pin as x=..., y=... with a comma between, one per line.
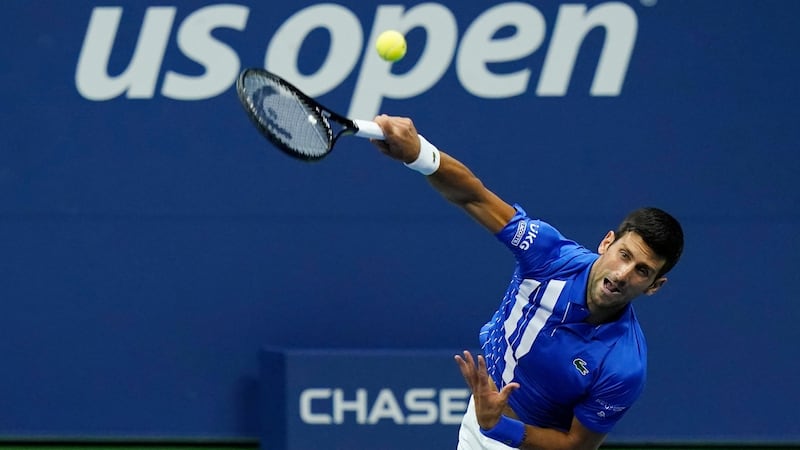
x=623, y=274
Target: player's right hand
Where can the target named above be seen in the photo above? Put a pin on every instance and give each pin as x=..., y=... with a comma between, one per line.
x=401, y=141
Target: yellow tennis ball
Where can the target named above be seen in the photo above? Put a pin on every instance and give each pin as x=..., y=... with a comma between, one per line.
x=391, y=45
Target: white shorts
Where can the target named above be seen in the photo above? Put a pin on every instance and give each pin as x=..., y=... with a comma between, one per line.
x=470, y=436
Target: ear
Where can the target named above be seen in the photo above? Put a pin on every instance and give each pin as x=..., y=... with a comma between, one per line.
x=655, y=286
x=606, y=242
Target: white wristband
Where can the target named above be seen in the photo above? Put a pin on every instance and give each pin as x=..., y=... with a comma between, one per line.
x=427, y=161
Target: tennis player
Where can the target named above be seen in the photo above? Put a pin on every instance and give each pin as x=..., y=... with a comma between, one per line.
x=565, y=357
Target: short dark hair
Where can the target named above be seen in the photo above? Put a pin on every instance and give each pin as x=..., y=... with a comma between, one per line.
x=659, y=230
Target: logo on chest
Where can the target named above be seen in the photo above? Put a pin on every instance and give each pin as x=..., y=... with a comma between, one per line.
x=581, y=366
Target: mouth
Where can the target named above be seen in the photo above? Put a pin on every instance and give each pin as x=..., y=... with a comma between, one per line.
x=610, y=286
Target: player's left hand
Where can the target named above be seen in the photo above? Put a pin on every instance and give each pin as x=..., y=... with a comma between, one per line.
x=489, y=403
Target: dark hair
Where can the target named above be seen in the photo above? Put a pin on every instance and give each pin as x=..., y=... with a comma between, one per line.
x=659, y=230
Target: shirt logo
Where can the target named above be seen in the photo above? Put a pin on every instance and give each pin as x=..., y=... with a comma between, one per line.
x=608, y=408
x=522, y=239
x=520, y=232
x=581, y=366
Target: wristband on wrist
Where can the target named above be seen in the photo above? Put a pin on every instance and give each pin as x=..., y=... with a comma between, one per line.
x=509, y=431
x=427, y=161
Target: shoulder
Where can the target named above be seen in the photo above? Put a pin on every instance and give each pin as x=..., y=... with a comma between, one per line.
x=535, y=241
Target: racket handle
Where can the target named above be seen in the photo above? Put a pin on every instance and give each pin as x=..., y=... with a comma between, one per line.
x=368, y=129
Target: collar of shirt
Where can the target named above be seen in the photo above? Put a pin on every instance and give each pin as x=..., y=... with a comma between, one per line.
x=575, y=321
x=577, y=312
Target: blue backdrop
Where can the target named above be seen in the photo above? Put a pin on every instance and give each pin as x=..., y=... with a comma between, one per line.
x=152, y=241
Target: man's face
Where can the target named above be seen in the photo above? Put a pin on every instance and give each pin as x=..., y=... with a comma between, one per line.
x=625, y=269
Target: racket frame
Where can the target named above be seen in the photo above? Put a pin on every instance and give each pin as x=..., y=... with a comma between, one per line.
x=323, y=114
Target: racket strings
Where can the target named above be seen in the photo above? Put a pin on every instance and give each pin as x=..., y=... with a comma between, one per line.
x=288, y=118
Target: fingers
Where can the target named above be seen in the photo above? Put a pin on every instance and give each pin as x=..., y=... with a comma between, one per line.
x=381, y=144
x=395, y=125
x=466, y=364
x=388, y=125
x=507, y=390
x=475, y=374
x=401, y=140
x=467, y=358
x=467, y=367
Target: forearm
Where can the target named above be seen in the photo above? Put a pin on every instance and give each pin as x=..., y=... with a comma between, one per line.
x=452, y=179
x=537, y=438
x=458, y=185
x=456, y=182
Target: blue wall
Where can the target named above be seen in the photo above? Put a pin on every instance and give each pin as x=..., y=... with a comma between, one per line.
x=152, y=241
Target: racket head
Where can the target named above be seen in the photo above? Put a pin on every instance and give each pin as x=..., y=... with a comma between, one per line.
x=292, y=121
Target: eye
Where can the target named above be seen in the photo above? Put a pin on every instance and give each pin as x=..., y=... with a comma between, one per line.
x=643, y=271
x=624, y=255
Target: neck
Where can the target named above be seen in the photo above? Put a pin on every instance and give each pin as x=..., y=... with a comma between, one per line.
x=599, y=316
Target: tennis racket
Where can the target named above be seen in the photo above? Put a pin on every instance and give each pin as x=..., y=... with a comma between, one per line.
x=293, y=121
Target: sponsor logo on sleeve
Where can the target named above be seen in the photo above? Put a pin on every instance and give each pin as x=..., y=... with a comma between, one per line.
x=524, y=243
x=609, y=408
x=518, y=235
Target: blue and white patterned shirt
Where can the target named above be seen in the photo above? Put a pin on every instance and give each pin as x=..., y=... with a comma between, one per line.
x=539, y=338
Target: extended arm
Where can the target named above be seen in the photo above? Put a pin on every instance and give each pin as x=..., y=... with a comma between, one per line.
x=453, y=180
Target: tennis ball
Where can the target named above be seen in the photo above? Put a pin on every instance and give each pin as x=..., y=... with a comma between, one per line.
x=391, y=45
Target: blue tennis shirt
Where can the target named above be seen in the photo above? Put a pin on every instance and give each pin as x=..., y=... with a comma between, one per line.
x=539, y=338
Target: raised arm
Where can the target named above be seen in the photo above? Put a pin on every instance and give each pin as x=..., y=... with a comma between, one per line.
x=453, y=180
